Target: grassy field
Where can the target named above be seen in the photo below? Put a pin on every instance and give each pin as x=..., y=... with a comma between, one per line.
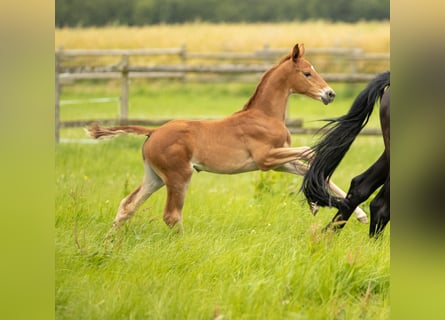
x=250, y=250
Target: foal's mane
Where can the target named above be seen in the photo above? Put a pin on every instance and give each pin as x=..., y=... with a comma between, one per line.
x=263, y=80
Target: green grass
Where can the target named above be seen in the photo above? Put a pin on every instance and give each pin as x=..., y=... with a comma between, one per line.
x=250, y=250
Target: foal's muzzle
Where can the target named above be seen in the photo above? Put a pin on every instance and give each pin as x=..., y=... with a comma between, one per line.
x=327, y=96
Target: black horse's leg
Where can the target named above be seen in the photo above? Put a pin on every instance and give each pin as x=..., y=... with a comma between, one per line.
x=380, y=211
x=362, y=186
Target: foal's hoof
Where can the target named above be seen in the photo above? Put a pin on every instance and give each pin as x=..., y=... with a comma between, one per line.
x=110, y=238
x=177, y=228
x=111, y=232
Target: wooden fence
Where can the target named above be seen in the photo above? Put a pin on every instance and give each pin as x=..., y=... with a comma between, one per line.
x=189, y=66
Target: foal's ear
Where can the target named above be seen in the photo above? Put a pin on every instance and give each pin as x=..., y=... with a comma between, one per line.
x=297, y=52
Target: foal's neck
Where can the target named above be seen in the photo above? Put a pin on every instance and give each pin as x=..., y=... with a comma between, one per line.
x=272, y=93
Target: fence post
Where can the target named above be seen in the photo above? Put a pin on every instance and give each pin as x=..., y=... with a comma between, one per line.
x=124, y=89
x=57, y=97
x=183, y=56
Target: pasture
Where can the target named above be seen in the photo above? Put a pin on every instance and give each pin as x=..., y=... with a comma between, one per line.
x=251, y=248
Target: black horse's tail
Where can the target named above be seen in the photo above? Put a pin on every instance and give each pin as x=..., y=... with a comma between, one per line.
x=336, y=141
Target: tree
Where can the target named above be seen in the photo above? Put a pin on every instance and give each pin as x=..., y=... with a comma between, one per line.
x=142, y=12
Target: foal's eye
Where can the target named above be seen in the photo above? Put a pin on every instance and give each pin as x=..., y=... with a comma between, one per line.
x=307, y=74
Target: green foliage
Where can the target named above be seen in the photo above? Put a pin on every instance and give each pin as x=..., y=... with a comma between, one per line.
x=143, y=12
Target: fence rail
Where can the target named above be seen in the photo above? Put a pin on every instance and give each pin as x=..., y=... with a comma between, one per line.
x=198, y=66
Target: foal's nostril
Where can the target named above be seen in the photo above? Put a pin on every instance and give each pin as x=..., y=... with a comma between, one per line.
x=327, y=96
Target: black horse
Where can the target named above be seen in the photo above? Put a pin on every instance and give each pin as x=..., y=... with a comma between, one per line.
x=333, y=146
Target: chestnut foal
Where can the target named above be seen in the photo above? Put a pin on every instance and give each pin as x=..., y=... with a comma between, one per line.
x=254, y=138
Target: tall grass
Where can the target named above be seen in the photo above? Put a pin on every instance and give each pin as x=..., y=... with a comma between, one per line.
x=248, y=252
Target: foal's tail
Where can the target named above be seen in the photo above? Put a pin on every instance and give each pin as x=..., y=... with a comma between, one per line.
x=98, y=132
x=336, y=142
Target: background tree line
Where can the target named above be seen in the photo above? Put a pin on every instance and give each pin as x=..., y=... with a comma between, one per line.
x=144, y=12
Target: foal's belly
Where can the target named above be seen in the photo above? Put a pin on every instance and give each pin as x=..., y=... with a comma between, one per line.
x=226, y=162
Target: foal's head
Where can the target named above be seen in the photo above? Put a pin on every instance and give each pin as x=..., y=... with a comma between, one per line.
x=305, y=80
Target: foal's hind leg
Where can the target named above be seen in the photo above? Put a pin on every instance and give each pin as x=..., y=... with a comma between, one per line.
x=150, y=184
x=380, y=211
